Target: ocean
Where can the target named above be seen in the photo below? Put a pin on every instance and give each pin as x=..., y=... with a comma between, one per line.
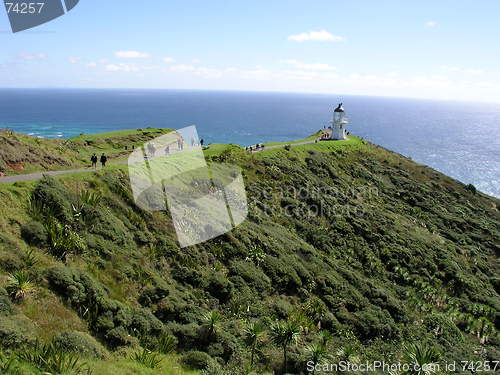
x=459, y=139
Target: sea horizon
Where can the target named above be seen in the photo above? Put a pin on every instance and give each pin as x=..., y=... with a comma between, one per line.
x=457, y=138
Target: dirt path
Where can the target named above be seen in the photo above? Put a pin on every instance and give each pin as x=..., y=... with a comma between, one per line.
x=38, y=175
x=292, y=144
x=281, y=146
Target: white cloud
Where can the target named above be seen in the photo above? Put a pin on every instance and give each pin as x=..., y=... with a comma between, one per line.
x=196, y=61
x=317, y=66
x=392, y=74
x=122, y=67
x=208, y=73
x=431, y=23
x=92, y=65
x=168, y=60
x=132, y=54
x=74, y=60
x=322, y=35
x=182, y=68
x=37, y=56
x=471, y=71
x=489, y=85
x=476, y=72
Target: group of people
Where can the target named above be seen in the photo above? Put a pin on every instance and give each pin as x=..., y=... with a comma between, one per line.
x=94, y=159
x=325, y=135
x=151, y=151
x=257, y=147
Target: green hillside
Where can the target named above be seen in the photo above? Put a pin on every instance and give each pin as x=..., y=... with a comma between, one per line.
x=23, y=154
x=350, y=253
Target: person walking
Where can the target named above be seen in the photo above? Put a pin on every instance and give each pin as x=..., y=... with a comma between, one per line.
x=93, y=159
x=104, y=160
x=151, y=150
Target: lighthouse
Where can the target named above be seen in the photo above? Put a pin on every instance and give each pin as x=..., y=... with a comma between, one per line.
x=339, y=123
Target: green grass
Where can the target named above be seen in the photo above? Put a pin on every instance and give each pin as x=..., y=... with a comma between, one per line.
x=215, y=149
x=169, y=366
x=41, y=154
x=352, y=144
x=312, y=137
x=121, y=133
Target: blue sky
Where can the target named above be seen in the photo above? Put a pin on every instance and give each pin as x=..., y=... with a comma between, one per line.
x=445, y=49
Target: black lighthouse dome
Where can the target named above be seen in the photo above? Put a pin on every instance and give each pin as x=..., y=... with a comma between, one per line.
x=339, y=108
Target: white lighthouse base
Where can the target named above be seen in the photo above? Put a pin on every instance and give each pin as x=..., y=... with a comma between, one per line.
x=338, y=133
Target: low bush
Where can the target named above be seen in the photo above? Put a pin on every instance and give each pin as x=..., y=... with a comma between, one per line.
x=80, y=342
x=117, y=323
x=16, y=331
x=6, y=307
x=51, y=198
x=119, y=336
x=445, y=331
x=196, y=360
x=11, y=261
x=34, y=233
x=471, y=188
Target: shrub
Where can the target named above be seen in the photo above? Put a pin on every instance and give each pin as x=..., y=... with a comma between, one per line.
x=107, y=317
x=80, y=342
x=147, y=358
x=471, y=188
x=153, y=295
x=251, y=274
x=144, y=322
x=16, y=331
x=34, y=233
x=214, y=368
x=50, y=198
x=373, y=322
x=443, y=329
x=6, y=307
x=11, y=261
x=119, y=336
x=219, y=286
x=187, y=334
x=196, y=360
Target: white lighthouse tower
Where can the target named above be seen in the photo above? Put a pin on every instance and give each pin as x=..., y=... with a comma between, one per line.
x=339, y=124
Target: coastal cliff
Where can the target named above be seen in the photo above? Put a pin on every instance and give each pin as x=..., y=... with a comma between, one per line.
x=349, y=253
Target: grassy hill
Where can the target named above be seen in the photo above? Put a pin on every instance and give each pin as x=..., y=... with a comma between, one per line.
x=23, y=154
x=350, y=253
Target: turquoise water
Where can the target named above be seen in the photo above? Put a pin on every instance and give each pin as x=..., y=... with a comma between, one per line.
x=459, y=139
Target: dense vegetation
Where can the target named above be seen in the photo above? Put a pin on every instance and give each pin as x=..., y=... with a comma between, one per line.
x=350, y=253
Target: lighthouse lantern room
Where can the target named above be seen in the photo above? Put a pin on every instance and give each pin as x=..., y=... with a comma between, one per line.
x=339, y=123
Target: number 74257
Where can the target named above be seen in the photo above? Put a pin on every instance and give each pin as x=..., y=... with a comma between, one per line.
x=25, y=8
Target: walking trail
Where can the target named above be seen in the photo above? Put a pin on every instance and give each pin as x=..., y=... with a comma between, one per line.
x=38, y=175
